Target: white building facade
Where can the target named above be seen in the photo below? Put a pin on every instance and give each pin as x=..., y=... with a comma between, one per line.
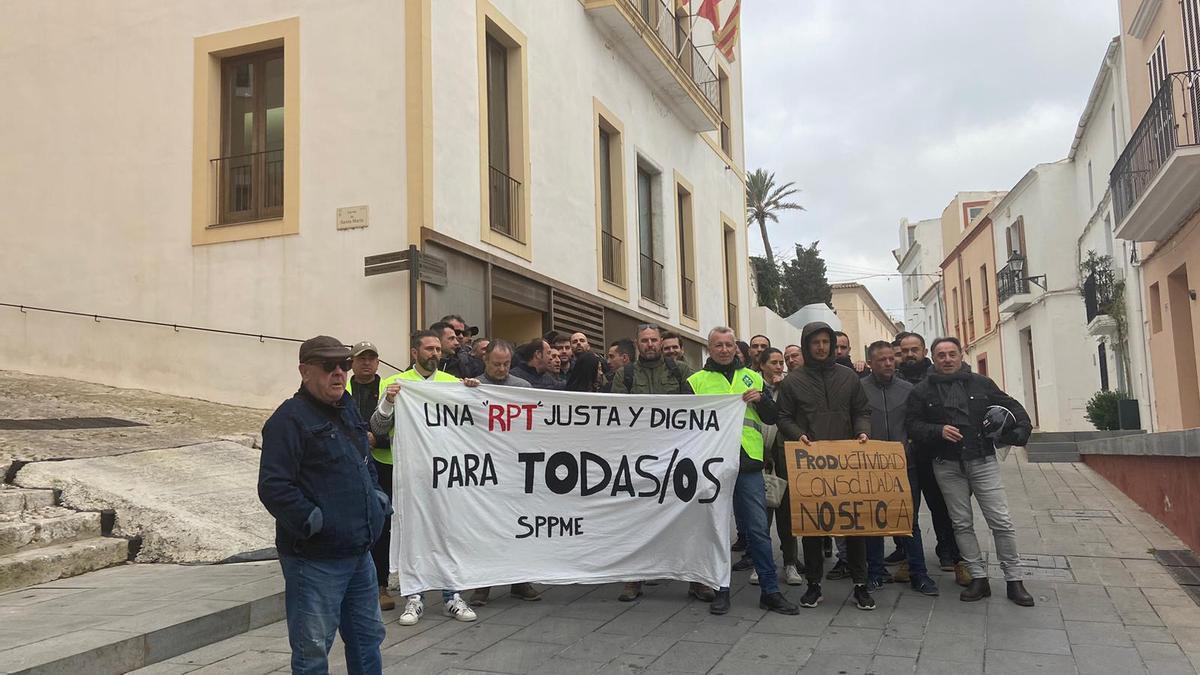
x=1061, y=344
x=1042, y=324
x=918, y=261
x=1122, y=361
x=531, y=166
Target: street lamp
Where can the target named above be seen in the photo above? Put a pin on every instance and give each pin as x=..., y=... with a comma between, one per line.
x=1017, y=264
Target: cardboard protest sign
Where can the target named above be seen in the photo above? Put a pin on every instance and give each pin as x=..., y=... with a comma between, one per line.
x=847, y=488
x=499, y=485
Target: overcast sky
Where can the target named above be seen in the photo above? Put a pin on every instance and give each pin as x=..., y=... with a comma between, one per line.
x=880, y=110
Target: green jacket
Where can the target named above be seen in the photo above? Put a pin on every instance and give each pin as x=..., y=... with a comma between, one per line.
x=653, y=377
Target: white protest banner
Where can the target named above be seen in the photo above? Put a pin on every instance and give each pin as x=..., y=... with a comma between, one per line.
x=500, y=485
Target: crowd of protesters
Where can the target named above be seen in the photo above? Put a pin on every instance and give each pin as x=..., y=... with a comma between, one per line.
x=336, y=568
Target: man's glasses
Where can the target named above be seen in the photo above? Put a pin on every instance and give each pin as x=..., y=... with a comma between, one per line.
x=329, y=365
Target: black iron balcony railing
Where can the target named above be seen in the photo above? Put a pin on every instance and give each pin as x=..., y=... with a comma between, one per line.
x=652, y=279
x=1170, y=122
x=1011, y=280
x=674, y=33
x=688, y=288
x=612, y=253
x=1095, y=301
x=504, y=210
x=249, y=186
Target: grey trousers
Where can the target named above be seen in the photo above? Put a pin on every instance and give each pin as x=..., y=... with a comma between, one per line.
x=979, y=477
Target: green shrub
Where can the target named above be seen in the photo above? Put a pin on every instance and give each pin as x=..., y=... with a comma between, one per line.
x=1102, y=410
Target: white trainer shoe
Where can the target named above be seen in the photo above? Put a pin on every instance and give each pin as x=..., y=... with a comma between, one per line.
x=754, y=577
x=414, y=607
x=791, y=576
x=459, y=609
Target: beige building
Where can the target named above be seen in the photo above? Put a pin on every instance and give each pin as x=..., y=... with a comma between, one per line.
x=1156, y=193
x=360, y=168
x=863, y=320
x=968, y=281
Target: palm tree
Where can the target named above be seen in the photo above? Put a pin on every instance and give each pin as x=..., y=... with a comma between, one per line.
x=763, y=199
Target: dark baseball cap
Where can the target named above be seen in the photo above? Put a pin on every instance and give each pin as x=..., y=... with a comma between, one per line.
x=323, y=347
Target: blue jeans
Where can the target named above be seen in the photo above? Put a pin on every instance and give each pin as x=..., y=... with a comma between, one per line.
x=914, y=549
x=322, y=596
x=750, y=514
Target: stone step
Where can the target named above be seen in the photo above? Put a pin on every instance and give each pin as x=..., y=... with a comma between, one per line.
x=47, y=563
x=212, y=604
x=1054, y=446
x=1052, y=451
x=1052, y=437
x=44, y=527
x=15, y=499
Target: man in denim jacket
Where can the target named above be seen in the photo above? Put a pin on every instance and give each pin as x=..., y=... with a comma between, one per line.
x=316, y=479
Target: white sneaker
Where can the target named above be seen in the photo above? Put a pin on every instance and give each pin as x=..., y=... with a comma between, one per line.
x=458, y=608
x=791, y=576
x=754, y=577
x=413, y=609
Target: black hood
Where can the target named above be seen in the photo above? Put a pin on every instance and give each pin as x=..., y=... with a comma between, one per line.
x=806, y=336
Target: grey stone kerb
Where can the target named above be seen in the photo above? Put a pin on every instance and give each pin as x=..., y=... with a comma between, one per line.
x=1184, y=443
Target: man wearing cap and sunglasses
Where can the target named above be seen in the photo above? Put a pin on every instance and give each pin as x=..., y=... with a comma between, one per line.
x=365, y=386
x=316, y=478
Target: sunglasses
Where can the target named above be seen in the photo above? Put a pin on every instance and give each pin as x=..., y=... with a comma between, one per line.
x=329, y=365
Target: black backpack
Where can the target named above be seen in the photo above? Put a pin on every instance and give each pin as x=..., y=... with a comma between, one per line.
x=672, y=369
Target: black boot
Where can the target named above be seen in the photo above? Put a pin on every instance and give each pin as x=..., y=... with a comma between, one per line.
x=978, y=589
x=720, y=603
x=775, y=602
x=1018, y=594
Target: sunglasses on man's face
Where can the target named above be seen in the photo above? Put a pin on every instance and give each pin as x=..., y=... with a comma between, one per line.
x=329, y=365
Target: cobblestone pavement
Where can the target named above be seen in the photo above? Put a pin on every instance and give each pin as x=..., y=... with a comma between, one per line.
x=1103, y=606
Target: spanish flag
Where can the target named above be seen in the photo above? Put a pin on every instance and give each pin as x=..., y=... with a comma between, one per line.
x=726, y=38
x=708, y=10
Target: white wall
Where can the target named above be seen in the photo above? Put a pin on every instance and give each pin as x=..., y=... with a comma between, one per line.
x=922, y=309
x=1064, y=355
x=96, y=181
x=765, y=322
x=569, y=64
x=1095, y=225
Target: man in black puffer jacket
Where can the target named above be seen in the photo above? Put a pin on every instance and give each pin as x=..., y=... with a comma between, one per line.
x=945, y=413
x=824, y=401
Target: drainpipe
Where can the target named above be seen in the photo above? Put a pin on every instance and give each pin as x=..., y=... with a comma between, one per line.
x=1147, y=373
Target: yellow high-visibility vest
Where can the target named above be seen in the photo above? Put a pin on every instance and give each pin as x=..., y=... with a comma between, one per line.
x=707, y=383
x=384, y=455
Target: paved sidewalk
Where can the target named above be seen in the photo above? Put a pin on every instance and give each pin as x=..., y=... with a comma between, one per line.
x=122, y=617
x=1104, y=606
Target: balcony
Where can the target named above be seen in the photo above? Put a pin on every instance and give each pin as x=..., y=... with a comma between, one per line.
x=1156, y=181
x=612, y=254
x=249, y=187
x=1012, y=286
x=651, y=277
x=504, y=202
x=688, y=301
x=1095, y=304
x=659, y=45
